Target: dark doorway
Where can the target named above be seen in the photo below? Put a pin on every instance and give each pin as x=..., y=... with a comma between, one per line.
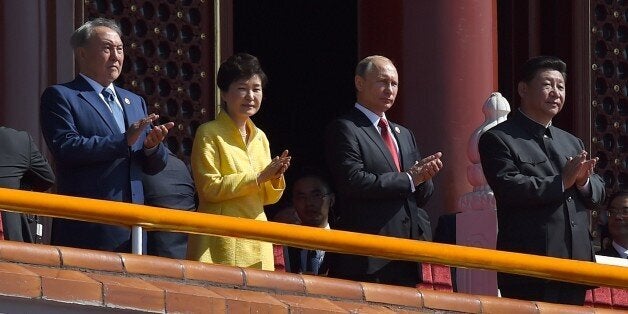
x=527, y=30
x=308, y=49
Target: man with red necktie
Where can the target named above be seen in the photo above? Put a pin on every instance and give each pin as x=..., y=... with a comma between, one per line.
x=380, y=178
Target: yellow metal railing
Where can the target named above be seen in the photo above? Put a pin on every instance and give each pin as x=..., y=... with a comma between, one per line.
x=124, y=214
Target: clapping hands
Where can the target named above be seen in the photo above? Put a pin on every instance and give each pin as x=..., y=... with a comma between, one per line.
x=276, y=168
x=154, y=137
x=157, y=134
x=425, y=169
x=578, y=169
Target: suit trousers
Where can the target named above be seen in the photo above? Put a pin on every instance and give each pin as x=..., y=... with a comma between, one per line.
x=548, y=291
x=398, y=273
x=17, y=227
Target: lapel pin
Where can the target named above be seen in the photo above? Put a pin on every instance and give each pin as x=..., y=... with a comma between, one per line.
x=127, y=101
x=397, y=130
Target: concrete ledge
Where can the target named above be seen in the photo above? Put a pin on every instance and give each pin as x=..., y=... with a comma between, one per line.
x=125, y=282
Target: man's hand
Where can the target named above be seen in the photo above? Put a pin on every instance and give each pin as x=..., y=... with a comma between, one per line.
x=136, y=129
x=425, y=169
x=586, y=171
x=578, y=169
x=157, y=134
x=275, y=168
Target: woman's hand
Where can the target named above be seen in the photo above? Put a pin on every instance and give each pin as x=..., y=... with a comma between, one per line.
x=275, y=169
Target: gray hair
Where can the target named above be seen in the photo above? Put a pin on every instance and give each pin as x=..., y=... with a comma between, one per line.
x=366, y=64
x=81, y=35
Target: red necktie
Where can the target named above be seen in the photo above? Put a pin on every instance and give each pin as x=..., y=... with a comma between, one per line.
x=383, y=124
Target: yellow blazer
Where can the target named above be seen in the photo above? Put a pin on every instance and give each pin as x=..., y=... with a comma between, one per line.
x=225, y=172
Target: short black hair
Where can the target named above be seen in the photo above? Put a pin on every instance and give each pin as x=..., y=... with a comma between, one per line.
x=620, y=193
x=535, y=64
x=318, y=177
x=239, y=66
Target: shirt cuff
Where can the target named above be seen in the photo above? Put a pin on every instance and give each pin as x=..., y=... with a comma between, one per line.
x=412, y=187
x=586, y=188
x=150, y=151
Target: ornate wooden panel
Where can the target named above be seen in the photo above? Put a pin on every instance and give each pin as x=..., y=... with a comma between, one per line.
x=609, y=65
x=169, y=59
x=609, y=100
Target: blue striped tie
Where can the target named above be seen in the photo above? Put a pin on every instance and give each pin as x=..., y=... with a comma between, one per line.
x=115, y=109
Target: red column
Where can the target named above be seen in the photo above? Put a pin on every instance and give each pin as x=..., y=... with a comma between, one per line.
x=446, y=55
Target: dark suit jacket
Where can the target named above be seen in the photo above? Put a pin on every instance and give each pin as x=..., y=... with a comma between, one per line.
x=22, y=166
x=293, y=261
x=93, y=160
x=373, y=197
x=534, y=214
x=610, y=251
x=172, y=187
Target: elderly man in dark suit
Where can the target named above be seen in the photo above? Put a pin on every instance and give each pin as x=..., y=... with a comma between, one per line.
x=22, y=166
x=380, y=179
x=543, y=182
x=99, y=136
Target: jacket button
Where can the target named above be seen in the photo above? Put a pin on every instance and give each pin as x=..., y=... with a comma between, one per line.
x=573, y=223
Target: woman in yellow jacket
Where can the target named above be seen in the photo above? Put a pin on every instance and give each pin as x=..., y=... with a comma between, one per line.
x=233, y=171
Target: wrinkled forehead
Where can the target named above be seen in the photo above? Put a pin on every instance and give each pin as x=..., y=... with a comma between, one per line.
x=388, y=70
x=102, y=34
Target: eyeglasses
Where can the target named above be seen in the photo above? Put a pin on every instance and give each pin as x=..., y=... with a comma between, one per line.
x=617, y=213
x=314, y=196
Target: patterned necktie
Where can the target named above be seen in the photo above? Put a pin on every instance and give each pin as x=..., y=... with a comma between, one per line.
x=313, y=261
x=383, y=124
x=115, y=108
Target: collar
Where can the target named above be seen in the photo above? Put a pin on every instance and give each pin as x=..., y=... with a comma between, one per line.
x=536, y=129
x=370, y=114
x=97, y=87
x=623, y=252
x=223, y=117
x=527, y=116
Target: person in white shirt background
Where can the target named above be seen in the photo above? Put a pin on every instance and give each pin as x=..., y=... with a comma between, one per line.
x=312, y=199
x=617, y=213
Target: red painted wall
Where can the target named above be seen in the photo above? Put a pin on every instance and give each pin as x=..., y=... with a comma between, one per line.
x=446, y=55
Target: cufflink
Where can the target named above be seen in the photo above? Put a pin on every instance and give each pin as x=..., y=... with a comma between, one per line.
x=127, y=101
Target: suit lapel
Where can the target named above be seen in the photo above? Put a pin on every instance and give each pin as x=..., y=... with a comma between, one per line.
x=93, y=99
x=365, y=124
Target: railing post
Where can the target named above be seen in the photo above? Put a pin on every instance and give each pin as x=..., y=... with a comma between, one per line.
x=136, y=240
x=476, y=223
